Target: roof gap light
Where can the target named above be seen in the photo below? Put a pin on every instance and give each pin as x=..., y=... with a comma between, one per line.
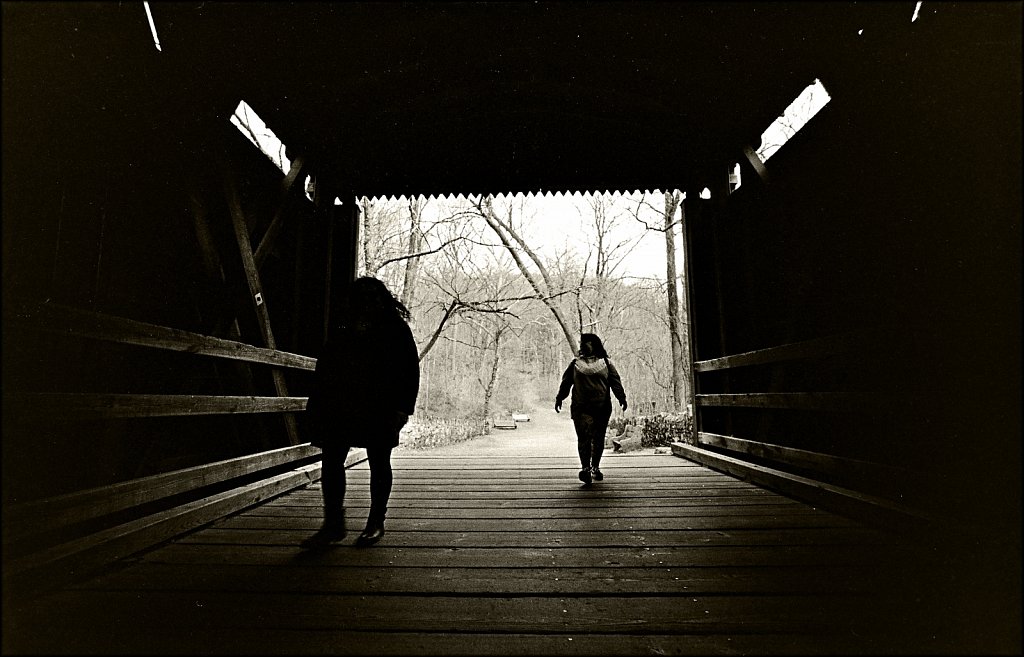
x=152, y=26
x=252, y=126
x=917, y=11
x=799, y=112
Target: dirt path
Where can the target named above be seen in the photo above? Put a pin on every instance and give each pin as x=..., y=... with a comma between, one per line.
x=546, y=434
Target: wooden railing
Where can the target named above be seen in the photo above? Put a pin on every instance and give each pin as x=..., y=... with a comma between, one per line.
x=53, y=541
x=49, y=541
x=805, y=474
x=74, y=322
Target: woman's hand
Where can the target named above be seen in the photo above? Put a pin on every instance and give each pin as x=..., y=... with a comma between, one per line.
x=558, y=405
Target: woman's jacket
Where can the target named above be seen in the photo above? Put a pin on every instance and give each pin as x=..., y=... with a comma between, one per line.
x=364, y=380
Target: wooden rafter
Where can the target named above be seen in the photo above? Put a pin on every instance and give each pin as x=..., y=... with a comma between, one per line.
x=287, y=187
x=252, y=278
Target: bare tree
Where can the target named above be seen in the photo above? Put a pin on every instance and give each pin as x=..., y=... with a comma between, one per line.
x=598, y=305
x=676, y=327
x=412, y=265
x=541, y=281
x=677, y=313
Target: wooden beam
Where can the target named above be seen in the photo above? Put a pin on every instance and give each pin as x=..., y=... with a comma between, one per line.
x=287, y=185
x=65, y=320
x=39, y=515
x=803, y=401
x=868, y=508
x=834, y=467
x=826, y=346
x=756, y=163
x=58, y=406
x=252, y=278
x=62, y=563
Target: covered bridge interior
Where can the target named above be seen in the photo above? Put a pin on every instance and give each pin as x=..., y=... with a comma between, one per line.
x=855, y=302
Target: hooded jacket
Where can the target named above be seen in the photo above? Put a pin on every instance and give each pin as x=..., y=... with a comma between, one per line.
x=591, y=379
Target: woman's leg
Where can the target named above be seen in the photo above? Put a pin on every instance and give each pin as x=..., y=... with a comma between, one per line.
x=332, y=487
x=597, y=437
x=332, y=482
x=583, y=423
x=381, y=479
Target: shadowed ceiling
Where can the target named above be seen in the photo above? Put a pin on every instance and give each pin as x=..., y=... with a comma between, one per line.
x=448, y=98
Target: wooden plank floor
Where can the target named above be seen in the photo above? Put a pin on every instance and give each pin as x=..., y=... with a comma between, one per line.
x=514, y=556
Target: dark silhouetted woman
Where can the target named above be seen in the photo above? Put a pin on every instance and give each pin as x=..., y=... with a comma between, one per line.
x=365, y=388
x=590, y=376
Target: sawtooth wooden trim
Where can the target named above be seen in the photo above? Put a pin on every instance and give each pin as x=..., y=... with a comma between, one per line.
x=65, y=320
x=801, y=458
x=803, y=401
x=827, y=346
x=868, y=508
x=73, y=405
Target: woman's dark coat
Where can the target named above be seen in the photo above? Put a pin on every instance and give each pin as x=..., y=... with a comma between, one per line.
x=362, y=379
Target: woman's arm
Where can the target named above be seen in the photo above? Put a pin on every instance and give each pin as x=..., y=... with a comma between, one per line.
x=615, y=383
x=566, y=385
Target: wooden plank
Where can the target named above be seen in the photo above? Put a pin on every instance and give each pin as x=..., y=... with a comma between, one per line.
x=252, y=278
x=76, y=405
x=65, y=320
x=833, y=466
x=107, y=612
x=83, y=505
x=594, y=556
x=872, y=509
x=708, y=510
x=532, y=525
x=62, y=563
x=454, y=539
x=283, y=641
x=816, y=348
x=803, y=401
x=654, y=505
x=700, y=580
x=756, y=163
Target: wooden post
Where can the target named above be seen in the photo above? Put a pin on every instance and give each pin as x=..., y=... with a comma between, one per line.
x=252, y=277
x=720, y=191
x=756, y=163
x=689, y=213
x=690, y=216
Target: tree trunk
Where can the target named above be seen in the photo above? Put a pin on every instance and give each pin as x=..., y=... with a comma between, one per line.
x=370, y=263
x=680, y=356
x=542, y=288
x=492, y=381
x=412, y=265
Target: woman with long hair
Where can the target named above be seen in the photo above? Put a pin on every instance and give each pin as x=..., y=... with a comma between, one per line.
x=591, y=377
x=365, y=387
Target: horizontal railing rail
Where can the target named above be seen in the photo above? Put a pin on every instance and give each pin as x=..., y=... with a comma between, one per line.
x=87, y=406
x=861, y=487
x=54, y=541
x=69, y=321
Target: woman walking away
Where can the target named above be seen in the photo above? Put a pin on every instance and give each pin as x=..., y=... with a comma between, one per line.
x=365, y=388
x=590, y=376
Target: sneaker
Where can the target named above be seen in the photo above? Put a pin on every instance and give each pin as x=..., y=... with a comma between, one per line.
x=598, y=475
x=585, y=475
x=324, y=537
